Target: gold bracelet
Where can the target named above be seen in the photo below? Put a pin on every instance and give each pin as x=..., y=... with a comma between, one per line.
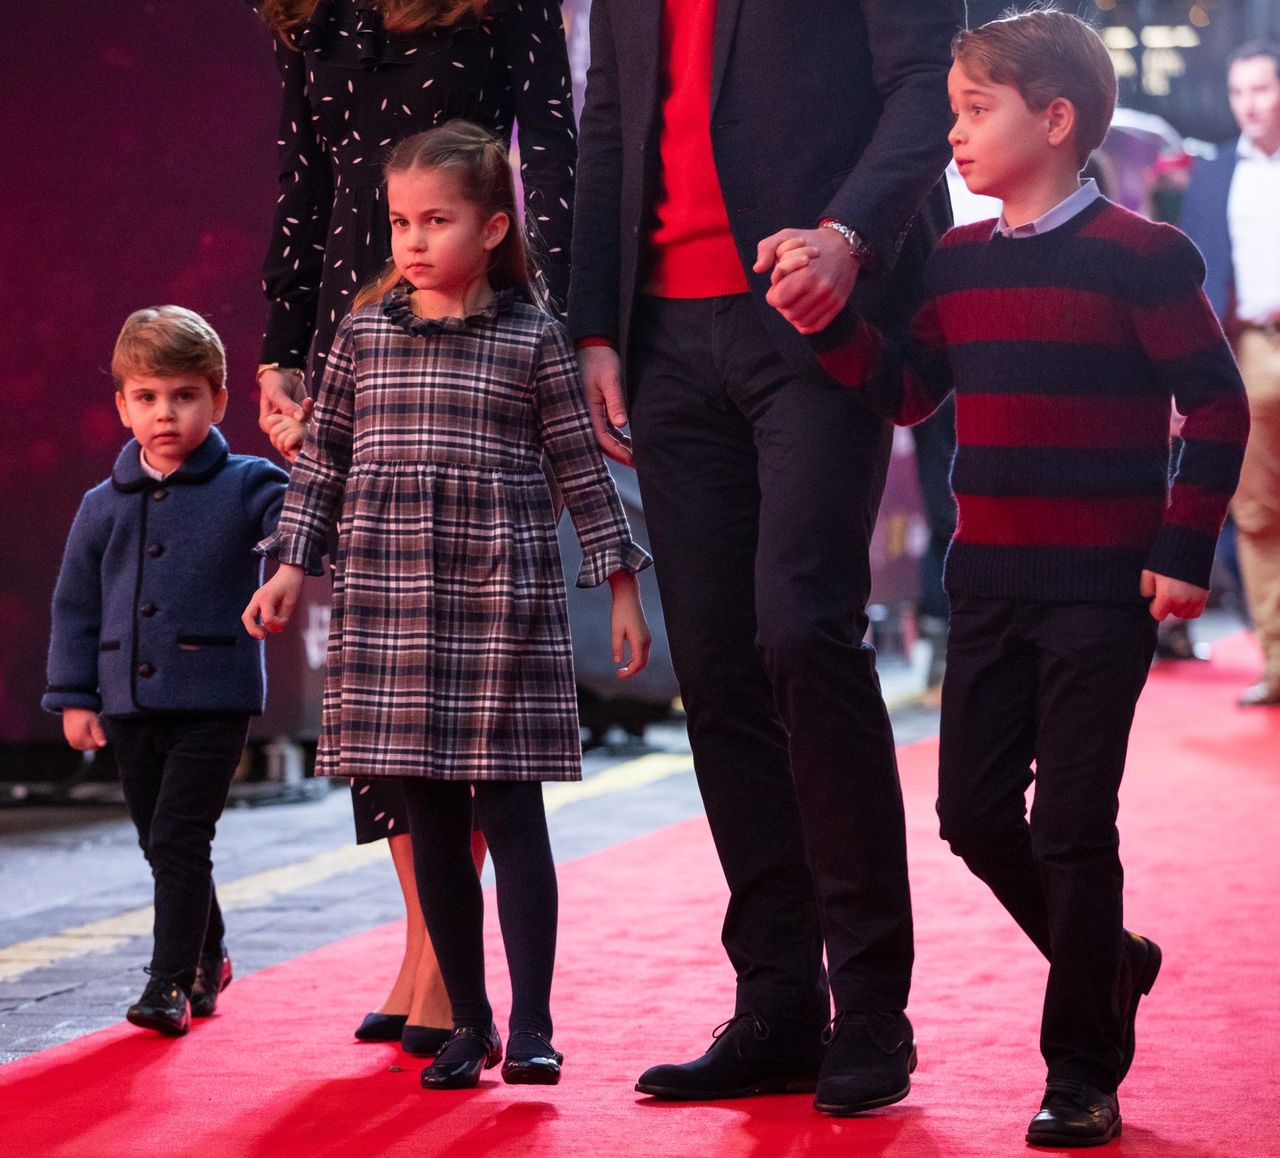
x=276, y=366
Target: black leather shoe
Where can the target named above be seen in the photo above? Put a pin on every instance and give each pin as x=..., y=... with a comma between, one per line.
x=163, y=1007
x=381, y=1027
x=747, y=1056
x=1138, y=972
x=467, y=1053
x=1074, y=1114
x=869, y=1062
x=531, y=1061
x=423, y=1040
x=213, y=975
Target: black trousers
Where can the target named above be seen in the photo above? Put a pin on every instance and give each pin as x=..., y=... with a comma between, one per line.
x=760, y=488
x=1053, y=683
x=175, y=771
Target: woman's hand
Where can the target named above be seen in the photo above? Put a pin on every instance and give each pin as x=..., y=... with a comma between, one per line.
x=629, y=625
x=282, y=392
x=273, y=603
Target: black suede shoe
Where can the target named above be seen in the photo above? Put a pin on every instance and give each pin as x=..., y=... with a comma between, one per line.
x=213, y=975
x=869, y=1062
x=1138, y=973
x=381, y=1027
x=531, y=1061
x=465, y=1055
x=163, y=1007
x=423, y=1040
x=1074, y=1114
x=747, y=1056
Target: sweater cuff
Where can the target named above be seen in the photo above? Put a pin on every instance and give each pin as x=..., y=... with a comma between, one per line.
x=1183, y=553
x=598, y=565
x=583, y=343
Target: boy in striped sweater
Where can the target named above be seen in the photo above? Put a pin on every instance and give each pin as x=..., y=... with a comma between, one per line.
x=1066, y=329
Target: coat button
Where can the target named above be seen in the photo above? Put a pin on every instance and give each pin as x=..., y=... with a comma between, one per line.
x=148, y=609
x=159, y=493
x=155, y=551
x=146, y=670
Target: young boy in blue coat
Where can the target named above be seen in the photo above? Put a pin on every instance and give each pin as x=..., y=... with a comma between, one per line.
x=146, y=651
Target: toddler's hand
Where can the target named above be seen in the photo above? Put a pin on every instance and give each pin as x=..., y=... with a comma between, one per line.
x=1173, y=596
x=287, y=433
x=629, y=627
x=83, y=729
x=273, y=603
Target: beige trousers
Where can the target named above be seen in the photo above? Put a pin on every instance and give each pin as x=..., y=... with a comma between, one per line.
x=1256, y=506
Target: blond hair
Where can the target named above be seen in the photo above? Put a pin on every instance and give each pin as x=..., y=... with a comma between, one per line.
x=165, y=342
x=285, y=17
x=1045, y=54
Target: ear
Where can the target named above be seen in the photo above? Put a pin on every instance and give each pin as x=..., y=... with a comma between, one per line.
x=123, y=411
x=495, y=230
x=219, y=404
x=1060, y=121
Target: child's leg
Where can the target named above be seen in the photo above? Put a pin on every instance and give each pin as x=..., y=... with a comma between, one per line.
x=449, y=892
x=1093, y=662
x=512, y=818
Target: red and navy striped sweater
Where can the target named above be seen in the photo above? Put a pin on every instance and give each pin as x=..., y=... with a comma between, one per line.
x=1065, y=350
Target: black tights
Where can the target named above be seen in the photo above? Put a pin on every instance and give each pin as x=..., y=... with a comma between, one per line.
x=511, y=816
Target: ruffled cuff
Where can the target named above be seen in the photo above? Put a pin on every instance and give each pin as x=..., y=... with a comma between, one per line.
x=599, y=564
x=286, y=547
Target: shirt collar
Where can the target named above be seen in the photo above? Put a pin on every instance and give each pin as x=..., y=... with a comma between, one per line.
x=1060, y=214
x=149, y=470
x=1246, y=150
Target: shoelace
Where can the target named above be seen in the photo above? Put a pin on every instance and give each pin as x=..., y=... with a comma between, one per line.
x=759, y=1027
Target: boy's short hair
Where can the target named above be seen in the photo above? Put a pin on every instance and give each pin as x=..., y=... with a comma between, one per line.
x=1045, y=54
x=166, y=341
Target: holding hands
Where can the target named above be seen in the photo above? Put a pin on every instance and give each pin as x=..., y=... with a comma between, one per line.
x=283, y=409
x=813, y=274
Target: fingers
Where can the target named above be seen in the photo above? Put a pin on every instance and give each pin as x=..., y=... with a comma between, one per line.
x=250, y=620
x=767, y=250
x=96, y=735
x=607, y=410
x=1147, y=584
x=641, y=643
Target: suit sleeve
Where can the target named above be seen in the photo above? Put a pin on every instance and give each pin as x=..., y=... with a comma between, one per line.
x=910, y=48
x=77, y=617
x=594, y=301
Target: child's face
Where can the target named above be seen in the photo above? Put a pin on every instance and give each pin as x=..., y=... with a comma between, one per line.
x=1000, y=145
x=440, y=242
x=170, y=416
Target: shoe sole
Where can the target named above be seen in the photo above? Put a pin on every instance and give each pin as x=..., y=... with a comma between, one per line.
x=165, y=1027
x=848, y=1109
x=1068, y=1142
x=801, y=1085
x=530, y=1077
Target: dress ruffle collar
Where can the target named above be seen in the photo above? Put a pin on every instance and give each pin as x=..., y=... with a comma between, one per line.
x=398, y=307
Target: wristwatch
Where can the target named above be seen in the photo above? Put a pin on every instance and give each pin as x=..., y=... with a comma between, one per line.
x=859, y=247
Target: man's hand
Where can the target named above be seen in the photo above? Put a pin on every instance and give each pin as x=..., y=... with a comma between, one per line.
x=812, y=272
x=83, y=729
x=1173, y=596
x=602, y=376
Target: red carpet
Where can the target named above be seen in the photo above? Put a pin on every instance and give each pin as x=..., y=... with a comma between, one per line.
x=642, y=979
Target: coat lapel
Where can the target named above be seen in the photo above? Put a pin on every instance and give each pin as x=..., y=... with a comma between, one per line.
x=637, y=34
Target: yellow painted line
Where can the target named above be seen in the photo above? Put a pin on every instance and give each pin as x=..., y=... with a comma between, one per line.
x=262, y=888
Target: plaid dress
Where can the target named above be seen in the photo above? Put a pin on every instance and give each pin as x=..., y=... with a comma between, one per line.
x=449, y=654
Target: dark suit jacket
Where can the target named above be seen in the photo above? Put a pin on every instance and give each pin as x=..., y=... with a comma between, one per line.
x=1204, y=220
x=826, y=108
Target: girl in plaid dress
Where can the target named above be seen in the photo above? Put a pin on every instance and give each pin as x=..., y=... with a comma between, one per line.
x=450, y=664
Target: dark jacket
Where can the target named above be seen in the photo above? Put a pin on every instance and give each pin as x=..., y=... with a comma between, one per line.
x=830, y=108
x=146, y=610
x=1204, y=220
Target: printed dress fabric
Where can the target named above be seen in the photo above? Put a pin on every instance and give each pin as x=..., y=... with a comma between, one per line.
x=449, y=651
x=351, y=91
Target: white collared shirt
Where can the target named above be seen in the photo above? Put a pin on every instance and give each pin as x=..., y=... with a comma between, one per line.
x=1060, y=214
x=149, y=470
x=1253, y=220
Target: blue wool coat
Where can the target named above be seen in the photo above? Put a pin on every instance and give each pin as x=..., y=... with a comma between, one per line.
x=146, y=610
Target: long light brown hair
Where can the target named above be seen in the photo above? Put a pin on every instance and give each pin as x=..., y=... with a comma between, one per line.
x=285, y=17
x=477, y=161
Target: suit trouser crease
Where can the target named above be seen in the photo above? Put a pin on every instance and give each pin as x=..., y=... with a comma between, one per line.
x=760, y=487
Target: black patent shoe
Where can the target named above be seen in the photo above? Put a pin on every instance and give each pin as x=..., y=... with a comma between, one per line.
x=381, y=1027
x=163, y=1007
x=869, y=1062
x=1138, y=972
x=531, y=1061
x=1074, y=1114
x=423, y=1040
x=748, y=1056
x=213, y=975
x=468, y=1052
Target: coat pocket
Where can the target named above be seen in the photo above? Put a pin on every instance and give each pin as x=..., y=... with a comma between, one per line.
x=200, y=642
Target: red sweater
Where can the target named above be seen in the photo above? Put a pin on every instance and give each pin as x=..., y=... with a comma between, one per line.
x=692, y=253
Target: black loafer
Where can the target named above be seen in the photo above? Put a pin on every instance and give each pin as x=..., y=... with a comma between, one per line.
x=213, y=975
x=381, y=1027
x=1074, y=1114
x=468, y=1052
x=423, y=1040
x=1142, y=958
x=748, y=1056
x=531, y=1061
x=869, y=1063
x=163, y=1007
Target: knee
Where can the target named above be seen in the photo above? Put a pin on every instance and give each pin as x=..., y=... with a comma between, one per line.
x=974, y=833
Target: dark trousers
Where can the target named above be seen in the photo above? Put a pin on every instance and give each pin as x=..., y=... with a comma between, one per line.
x=760, y=489
x=175, y=771
x=514, y=823
x=1053, y=683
